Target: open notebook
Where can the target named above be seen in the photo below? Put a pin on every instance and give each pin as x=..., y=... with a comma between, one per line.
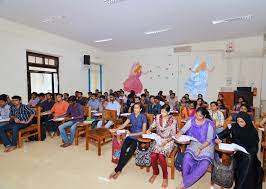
x=153, y=136
x=184, y=138
x=232, y=147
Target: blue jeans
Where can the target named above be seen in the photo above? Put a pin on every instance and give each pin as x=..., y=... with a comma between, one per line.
x=63, y=134
x=108, y=124
x=15, y=128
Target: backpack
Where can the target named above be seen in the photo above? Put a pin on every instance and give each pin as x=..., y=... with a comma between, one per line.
x=143, y=154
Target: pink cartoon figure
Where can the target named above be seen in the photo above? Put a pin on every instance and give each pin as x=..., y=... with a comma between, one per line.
x=133, y=82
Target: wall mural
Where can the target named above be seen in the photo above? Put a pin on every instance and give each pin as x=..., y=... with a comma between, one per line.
x=197, y=83
x=133, y=82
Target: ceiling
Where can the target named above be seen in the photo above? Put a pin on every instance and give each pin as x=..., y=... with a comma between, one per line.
x=126, y=22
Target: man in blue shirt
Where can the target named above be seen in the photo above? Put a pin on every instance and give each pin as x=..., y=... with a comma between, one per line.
x=153, y=107
x=75, y=114
x=139, y=126
x=94, y=102
x=20, y=117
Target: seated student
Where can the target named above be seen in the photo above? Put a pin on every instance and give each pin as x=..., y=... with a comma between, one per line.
x=4, y=108
x=65, y=96
x=111, y=105
x=59, y=110
x=246, y=166
x=80, y=99
x=74, y=114
x=182, y=104
x=94, y=102
x=9, y=102
x=238, y=104
x=139, y=124
x=172, y=100
x=144, y=102
x=103, y=103
x=42, y=102
x=188, y=112
x=198, y=155
x=220, y=97
x=263, y=122
x=20, y=117
x=217, y=116
x=123, y=97
x=199, y=103
x=165, y=125
x=34, y=100
x=223, y=108
x=243, y=108
x=205, y=104
x=136, y=100
x=187, y=98
x=159, y=100
x=153, y=108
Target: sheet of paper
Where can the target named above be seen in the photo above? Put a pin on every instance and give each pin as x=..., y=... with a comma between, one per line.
x=46, y=113
x=97, y=114
x=59, y=119
x=153, y=136
x=185, y=138
x=125, y=114
x=232, y=147
x=4, y=120
x=261, y=129
x=119, y=132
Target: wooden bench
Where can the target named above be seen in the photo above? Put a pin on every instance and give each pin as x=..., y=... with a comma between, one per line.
x=32, y=130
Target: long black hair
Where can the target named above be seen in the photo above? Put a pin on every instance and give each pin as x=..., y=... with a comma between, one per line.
x=204, y=112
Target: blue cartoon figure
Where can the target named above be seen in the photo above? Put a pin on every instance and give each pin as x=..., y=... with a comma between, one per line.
x=198, y=81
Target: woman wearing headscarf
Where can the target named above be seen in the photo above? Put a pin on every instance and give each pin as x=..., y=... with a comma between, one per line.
x=246, y=166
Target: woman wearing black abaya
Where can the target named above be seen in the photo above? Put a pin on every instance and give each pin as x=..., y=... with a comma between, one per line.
x=246, y=166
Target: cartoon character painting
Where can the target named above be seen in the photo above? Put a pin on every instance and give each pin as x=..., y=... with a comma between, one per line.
x=198, y=81
x=133, y=82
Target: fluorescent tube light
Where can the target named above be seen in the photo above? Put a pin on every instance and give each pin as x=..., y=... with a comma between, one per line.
x=157, y=31
x=103, y=40
x=248, y=17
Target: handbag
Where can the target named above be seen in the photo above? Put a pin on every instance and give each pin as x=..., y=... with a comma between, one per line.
x=116, y=149
x=143, y=154
x=222, y=175
x=179, y=161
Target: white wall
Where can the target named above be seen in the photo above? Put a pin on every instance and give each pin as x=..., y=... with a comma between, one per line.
x=244, y=66
x=16, y=39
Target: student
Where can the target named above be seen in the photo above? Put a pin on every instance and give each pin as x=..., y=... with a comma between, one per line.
x=182, y=104
x=173, y=101
x=111, y=105
x=187, y=98
x=65, y=96
x=198, y=155
x=136, y=100
x=74, y=114
x=238, y=104
x=220, y=97
x=153, y=108
x=165, y=125
x=199, y=103
x=34, y=100
x=20, y=117
x=80, y=99
x=217, y=116
x=139, y=124
x=263, y=122
x=246, y=166
x=49, y=103
x=94, y=103
x=123, y=97
x=188, y=112
x=4, y=108
x=41, y=103
x=58, y=110
x=159, y=100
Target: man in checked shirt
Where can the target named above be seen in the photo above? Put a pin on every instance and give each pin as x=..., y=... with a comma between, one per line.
x=20, y=117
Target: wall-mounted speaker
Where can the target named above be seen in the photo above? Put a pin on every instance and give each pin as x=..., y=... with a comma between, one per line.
x=87, y=60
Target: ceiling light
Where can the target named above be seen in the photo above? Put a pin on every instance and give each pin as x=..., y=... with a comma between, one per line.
x=157, y=31
x=103, y=40
x=248, y=17
x=113, y=1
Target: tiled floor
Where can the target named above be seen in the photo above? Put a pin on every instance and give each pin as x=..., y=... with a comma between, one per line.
x=42, y=165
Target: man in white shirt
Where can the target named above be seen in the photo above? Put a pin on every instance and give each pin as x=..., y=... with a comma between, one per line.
x=4, y=108
x=111, y=105
x=217, y=116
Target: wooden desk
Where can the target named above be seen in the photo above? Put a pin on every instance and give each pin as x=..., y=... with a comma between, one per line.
x=100, y=136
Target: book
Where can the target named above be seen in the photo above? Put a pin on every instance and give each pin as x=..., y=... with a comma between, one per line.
x=184, y=138
x=153, y=136
x=232, y=147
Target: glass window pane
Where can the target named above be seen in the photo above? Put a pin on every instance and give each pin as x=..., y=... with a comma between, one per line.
x=56, y=90
x=51, y=62
x=41, y=82
x=46, y=61
x=31, y=59
x=39, y=60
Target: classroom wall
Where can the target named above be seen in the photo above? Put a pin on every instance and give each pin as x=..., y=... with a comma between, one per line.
x=16, y=39
x=171, y=70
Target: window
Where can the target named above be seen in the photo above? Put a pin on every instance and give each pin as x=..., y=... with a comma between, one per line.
x=95, y=77
x=42, y=73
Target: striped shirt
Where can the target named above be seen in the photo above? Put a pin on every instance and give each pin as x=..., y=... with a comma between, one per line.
x=4, y=112
x=23, y=113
